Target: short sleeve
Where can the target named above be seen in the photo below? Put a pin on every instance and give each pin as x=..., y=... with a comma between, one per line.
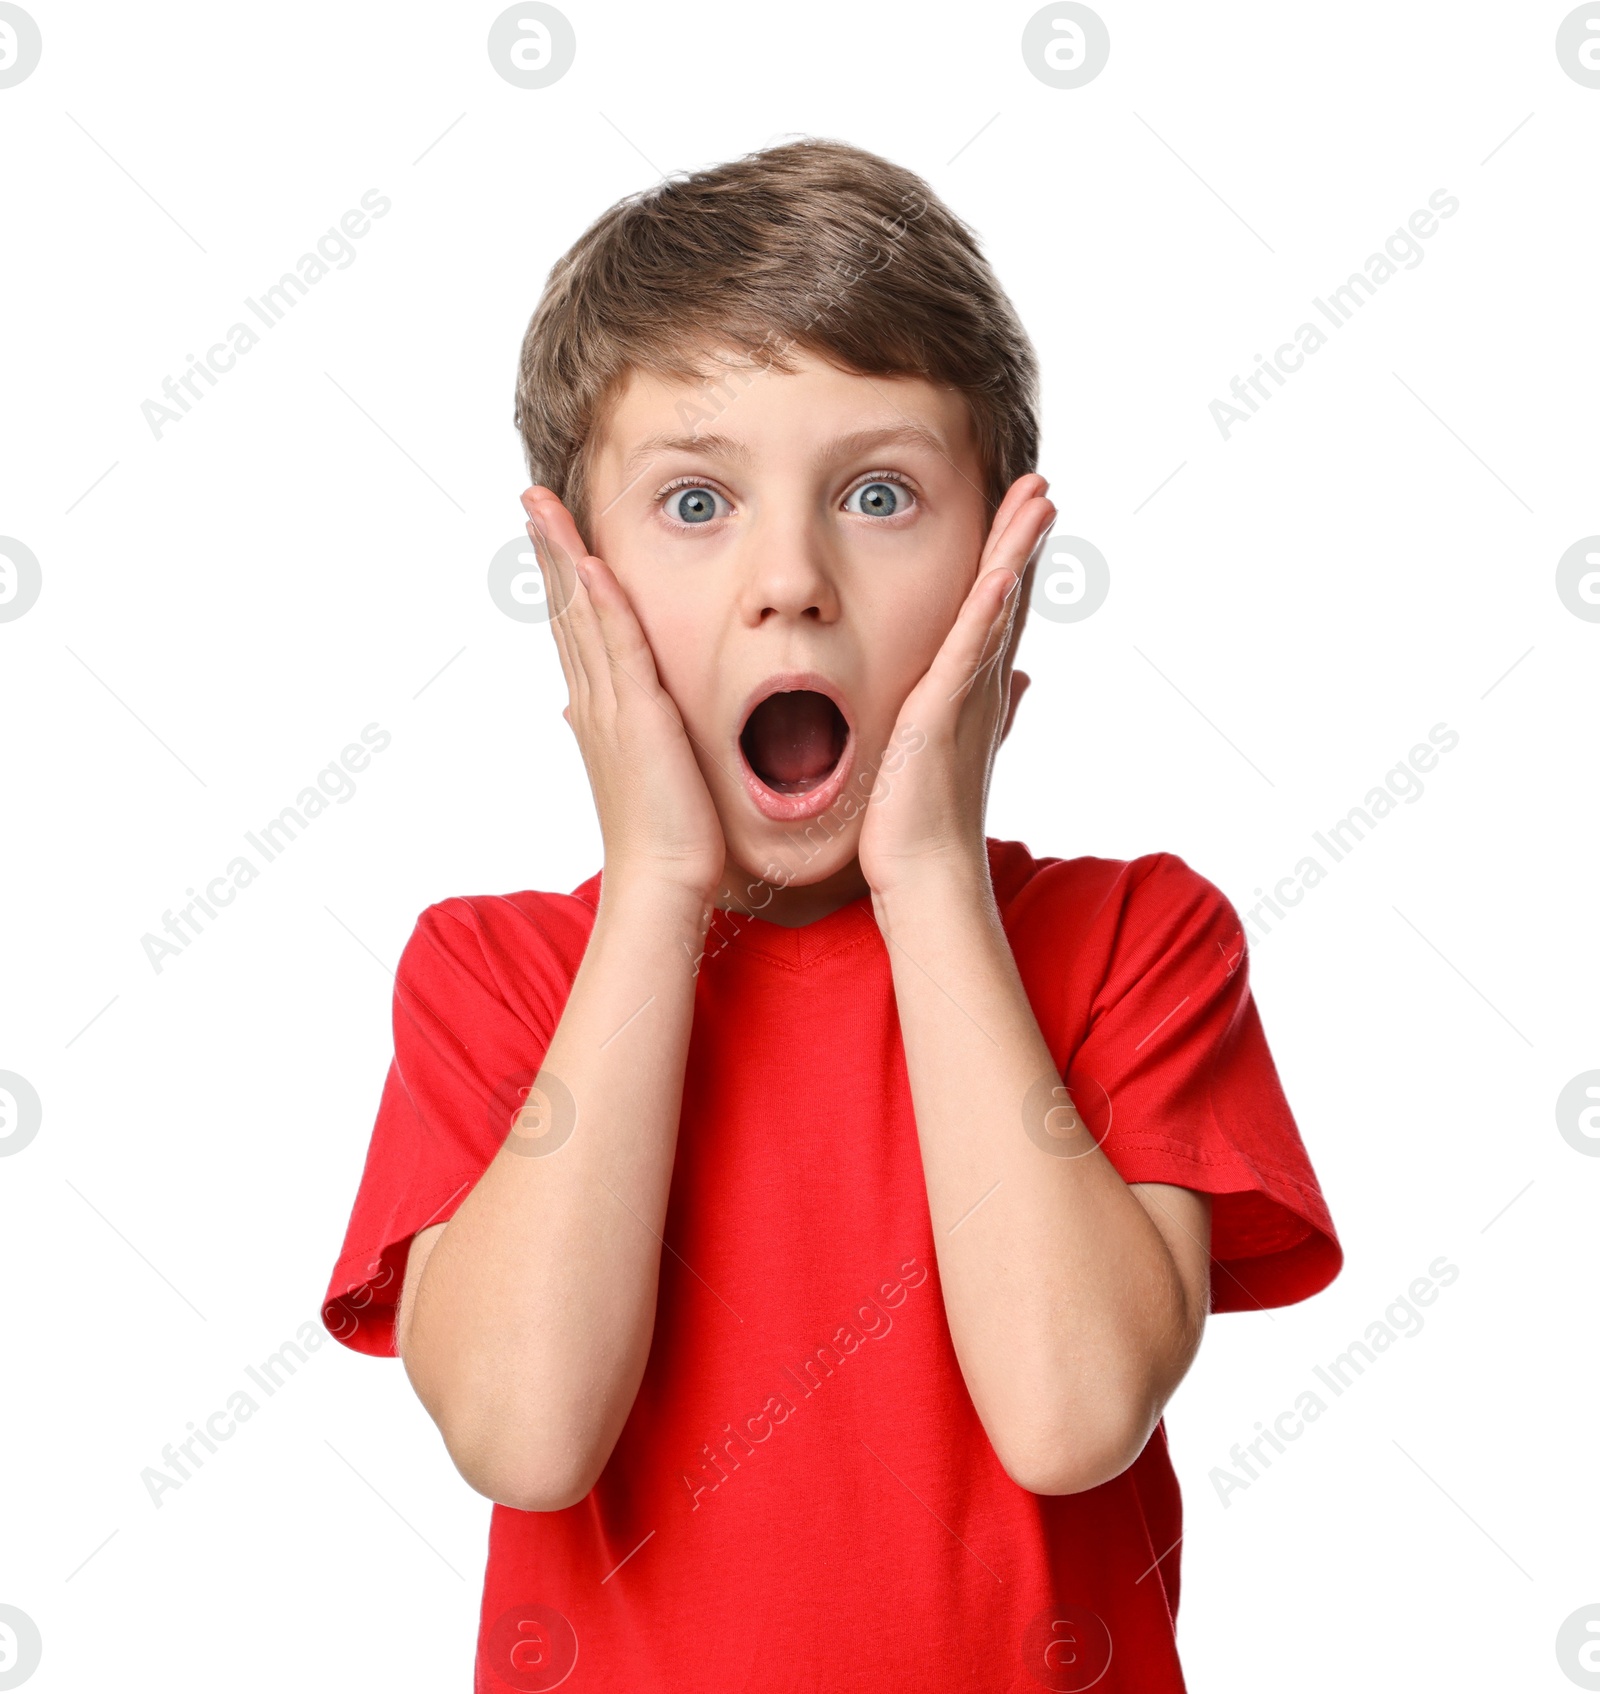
x=1174, y=1077
x=478, y=992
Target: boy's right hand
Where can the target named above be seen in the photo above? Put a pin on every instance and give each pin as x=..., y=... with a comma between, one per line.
x=657, y=819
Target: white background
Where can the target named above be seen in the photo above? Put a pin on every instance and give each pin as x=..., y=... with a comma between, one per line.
x=227, y=606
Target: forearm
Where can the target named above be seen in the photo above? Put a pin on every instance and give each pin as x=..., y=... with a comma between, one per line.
x=1065, y=1306
x=533, y=1316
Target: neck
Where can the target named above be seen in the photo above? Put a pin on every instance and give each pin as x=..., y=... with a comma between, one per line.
x=795, y=905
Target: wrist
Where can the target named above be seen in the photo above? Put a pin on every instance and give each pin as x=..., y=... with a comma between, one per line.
x=636, y=898
x=940, y=886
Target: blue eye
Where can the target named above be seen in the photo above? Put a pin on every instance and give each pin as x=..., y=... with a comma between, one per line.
x=878, y=499
x=694, y=505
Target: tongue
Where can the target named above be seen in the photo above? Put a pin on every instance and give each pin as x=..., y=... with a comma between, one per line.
x=791, y=740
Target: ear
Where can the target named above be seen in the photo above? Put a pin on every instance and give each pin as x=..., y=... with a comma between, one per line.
x=1019, y=687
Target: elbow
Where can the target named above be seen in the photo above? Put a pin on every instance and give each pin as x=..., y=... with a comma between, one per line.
x=1069, y=1467
x=532, y=1494
x=527, y=1476
x=488, y=1434
x=1066, y=1435
x=1077, y=1449
x=527, y=1482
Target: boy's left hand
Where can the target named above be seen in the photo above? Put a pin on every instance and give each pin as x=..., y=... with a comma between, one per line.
x=927, y=806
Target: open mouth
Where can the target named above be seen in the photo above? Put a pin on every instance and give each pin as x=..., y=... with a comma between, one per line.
x=793, y=740
x=795, y=743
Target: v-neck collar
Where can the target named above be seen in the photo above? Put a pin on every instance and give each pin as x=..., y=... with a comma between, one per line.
x=795, y=947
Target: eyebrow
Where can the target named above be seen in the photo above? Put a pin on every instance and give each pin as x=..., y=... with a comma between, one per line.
x=736, y=453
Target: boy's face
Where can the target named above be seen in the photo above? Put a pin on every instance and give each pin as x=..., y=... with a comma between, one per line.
x=796, y=548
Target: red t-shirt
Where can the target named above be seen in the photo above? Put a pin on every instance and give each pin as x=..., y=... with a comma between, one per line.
x=803, y=1497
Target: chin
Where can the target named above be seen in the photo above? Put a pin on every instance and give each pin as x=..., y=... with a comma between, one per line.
x=799, y=855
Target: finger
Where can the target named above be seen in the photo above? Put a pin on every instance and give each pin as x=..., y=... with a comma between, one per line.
x=545, y=515
x=1009, y=678
x=1015, y=616
x=1015, y=549
x=1029, y=525
x=1000, y=643
x=558, y=534
x=626, y=647
x=602, y=622
x=971, y=648
x=1018, y=551
x=571, y=664
x=556, y=594
x=556, y=566
x=1015, y=552
x=1016, y=496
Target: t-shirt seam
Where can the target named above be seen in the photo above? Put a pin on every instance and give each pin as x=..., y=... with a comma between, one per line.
x=1186, y=1150
x=796, y=967
x=367, y=1255
x=477, y=931
x=1095, y=1012
x=1149, y=1138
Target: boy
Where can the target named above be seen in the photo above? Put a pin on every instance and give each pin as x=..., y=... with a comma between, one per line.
x=798, y=1229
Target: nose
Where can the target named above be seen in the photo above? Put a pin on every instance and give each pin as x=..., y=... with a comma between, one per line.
x=788, y=570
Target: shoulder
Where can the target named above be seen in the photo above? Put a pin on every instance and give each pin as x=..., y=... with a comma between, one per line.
x=1086, y=932
x=1152, y=890
x=529, y=933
